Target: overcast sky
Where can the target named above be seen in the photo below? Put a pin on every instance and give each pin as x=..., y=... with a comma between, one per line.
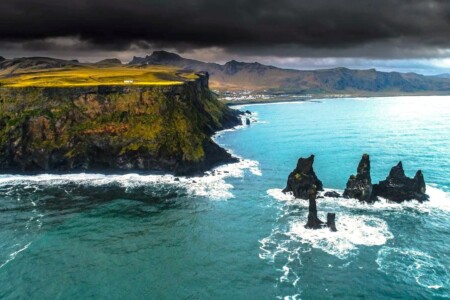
x=408, y=35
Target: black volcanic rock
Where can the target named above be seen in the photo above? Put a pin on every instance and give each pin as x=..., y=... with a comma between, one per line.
x=247, y=121
x=2, y=58
x=313, y=220
x=303, y=178
x=360, y=186
x=398, y=187
x=332, y=194
x=331, y=221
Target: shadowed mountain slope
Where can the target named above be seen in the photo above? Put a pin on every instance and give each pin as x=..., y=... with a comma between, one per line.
x=236, y=75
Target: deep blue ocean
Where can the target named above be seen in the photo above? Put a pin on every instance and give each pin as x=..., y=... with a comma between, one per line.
x=232, y=234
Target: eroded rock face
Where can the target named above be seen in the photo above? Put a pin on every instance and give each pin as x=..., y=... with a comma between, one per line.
x=331, y=221
x=313, y=220
x=113, y=128
x=303, y=178
x=398, y=187
x=360, y=186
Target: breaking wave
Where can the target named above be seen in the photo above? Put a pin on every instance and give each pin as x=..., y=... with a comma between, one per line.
x=353, y=230
x=212, y=184
x=413, y=265
x=359, y=225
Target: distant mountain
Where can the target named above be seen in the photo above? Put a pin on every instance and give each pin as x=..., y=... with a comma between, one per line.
x=33, y=64
x=445, y=75
x=108, y=62
x=236, y=75
x=11, y=66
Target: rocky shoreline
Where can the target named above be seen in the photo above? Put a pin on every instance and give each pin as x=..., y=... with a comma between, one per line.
x=113, y=129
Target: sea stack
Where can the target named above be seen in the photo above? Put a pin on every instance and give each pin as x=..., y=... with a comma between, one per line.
x=331, y=221
x=303, y=178
x=313, y=220
x=360, y=186
x=398, y=187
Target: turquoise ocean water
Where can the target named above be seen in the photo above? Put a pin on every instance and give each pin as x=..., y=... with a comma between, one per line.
x=233, y=234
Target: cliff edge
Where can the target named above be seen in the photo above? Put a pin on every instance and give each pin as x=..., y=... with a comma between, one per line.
x=113, y=128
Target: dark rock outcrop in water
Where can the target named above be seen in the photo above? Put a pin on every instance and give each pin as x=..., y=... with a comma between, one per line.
x=113, y=128
x=304, y=184
x=303, y=178
x=360, y=186
x=398, y=187
x=332, y=194
x=313, y=220
x=331, y=221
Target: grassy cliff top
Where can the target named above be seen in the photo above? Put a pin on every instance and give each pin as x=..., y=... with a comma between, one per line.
x=93, y=75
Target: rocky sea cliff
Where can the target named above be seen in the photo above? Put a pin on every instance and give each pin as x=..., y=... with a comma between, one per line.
x=113, y=128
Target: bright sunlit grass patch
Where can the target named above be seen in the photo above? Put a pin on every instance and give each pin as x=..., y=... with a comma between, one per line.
x=95, y=76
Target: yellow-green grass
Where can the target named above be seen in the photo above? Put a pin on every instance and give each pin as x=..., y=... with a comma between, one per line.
x=80, y=76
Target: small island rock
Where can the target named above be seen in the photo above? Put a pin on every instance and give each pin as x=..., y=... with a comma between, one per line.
x=313, y=220
x=398, y=187
x=331, y=221
x=360, y=186
x=303, y=178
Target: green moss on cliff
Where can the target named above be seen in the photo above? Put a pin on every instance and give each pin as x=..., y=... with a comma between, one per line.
x=115, y=127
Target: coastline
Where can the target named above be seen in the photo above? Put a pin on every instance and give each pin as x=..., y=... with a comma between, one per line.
x=117, y=129
x=325, y=97
x=234, y=159
x=209, y=183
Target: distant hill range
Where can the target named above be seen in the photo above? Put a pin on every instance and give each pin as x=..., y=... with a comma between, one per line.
x=445, y=75
x=24, y=64
x=239, y=76
x=236, y=75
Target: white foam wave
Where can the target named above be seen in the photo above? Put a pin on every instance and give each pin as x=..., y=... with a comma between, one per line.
x=290, y=239
x=353, y=231
x=415, y=265
x=288, y=244
x=253, y=117
x=212, y=184
x=279, y=195
x=13, y=255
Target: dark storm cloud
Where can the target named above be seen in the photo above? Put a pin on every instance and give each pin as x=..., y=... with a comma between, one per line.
x=361, y=28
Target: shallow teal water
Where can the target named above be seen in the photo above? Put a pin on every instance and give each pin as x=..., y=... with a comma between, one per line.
x=233, y=234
